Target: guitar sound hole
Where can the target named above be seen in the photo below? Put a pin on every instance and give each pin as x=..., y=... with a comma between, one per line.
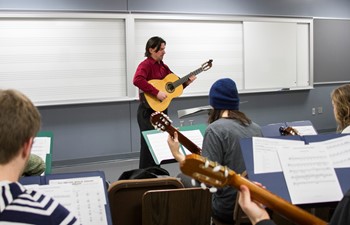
x=169, y=87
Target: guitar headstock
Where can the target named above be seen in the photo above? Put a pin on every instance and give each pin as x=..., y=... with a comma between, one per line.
x=285, y=131
x=207, y=65
x=160, y=121
x=205, y=171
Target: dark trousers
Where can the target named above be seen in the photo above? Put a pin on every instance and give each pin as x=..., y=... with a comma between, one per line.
x=143, y=119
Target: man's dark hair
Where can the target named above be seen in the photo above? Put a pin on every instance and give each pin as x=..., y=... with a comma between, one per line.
x=153, y=42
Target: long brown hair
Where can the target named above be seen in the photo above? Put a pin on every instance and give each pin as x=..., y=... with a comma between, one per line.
x=216, y=114
x=341, y=103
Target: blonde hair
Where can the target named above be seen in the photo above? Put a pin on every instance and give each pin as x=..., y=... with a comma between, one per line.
x=19, y=121
x=341, y=103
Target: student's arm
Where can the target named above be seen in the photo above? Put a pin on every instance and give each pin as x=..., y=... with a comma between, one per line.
x=255, y=211
x=174, y=146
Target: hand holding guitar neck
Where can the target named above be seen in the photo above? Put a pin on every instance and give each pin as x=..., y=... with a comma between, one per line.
x=216, y=175
x=162, y=122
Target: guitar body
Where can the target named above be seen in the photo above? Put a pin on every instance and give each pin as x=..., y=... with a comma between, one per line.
x=166, y=86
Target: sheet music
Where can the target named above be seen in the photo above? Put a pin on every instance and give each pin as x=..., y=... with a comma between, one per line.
x=195, y=136
x=41, y=147
x=338, y=150
x=160, y=147
x=265, y=154
x=309, y=174
x=84, y=196
x=305, y=130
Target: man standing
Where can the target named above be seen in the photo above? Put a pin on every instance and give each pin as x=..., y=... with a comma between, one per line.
x=151, y=68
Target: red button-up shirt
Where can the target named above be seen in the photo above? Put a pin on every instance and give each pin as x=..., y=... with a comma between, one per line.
x=150, y=69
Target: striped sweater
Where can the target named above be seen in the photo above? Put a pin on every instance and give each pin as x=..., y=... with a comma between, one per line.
x=21, y=206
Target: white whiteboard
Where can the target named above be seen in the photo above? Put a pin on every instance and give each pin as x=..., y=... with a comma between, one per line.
x=59, y=61
x=191, y=43
x=276, y=55
x=69, y=58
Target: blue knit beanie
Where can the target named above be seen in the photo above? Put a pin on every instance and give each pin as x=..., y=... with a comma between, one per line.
x=224, y=95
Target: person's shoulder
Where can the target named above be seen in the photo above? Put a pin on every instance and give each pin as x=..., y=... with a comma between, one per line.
x=257, y=126
x=50, y=208
x=148, y=61
x=45, y=201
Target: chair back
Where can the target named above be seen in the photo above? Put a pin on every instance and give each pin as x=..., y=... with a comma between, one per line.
x=125, y=197
x=185, y=206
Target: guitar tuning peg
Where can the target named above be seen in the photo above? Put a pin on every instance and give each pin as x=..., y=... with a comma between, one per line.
x=193, y=182
x=217, y=168
x=213, y=189
x=203, y=186
x=165, y=121
x=206, y=164
x=226, y=172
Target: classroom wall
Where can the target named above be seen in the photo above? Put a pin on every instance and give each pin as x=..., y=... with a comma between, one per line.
x=107, y=131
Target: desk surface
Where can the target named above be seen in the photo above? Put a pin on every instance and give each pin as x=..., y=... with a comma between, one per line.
x=275, y=182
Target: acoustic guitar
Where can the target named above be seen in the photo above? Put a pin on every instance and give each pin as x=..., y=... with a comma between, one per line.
x=287, y=131
x=160, y=121
x=172, y=85
x=216, y=175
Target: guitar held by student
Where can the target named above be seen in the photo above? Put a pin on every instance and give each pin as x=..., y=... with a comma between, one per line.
x=162, y=122
x=216, y=175
x=172, y=85
x=285, y=131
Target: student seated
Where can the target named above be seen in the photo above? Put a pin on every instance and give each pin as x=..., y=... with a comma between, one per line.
x=341, y=108
x=35, y=166
x=227, y=125
x=19, y=124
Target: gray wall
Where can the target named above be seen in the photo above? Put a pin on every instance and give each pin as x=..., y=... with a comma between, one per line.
x=106, y=131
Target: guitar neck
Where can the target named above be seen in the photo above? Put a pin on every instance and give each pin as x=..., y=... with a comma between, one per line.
x=192, y=147
x=277, y=203
x=185, y=78
x=214, y=174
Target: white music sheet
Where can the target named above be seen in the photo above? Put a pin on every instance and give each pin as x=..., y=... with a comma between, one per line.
x=265, y=153
x=195, y=136
x=305, y=130
x=159, y=146
x=338, y=150
x=309, y=174
x=41, y=147
x=84, y=196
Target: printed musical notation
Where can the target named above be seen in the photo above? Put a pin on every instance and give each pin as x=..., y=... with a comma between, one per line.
x=307, y=168
x=265, y=153
x=339, y=151
x=84, y=196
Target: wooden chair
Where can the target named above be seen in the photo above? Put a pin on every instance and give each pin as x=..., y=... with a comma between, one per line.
x=185, y=206
x=125, y=197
